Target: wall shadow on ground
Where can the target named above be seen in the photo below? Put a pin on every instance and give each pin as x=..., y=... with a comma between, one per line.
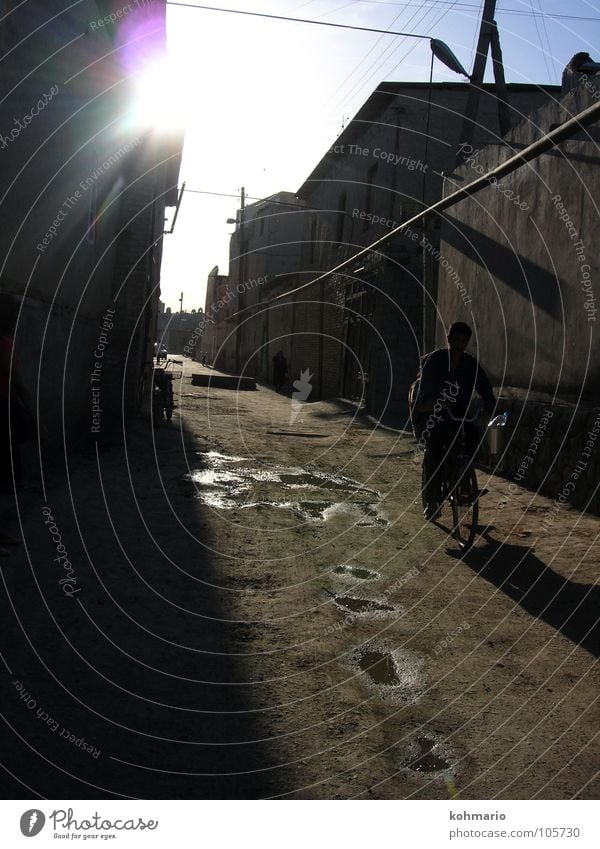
x=142, y=662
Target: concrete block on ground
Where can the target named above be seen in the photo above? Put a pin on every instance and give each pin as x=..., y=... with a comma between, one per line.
x=224, y=381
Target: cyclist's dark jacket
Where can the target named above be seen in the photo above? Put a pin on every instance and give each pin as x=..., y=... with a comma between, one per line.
x=454, y=388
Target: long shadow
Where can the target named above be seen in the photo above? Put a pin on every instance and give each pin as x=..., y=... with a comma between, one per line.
x=569, y=607
x=142, y=663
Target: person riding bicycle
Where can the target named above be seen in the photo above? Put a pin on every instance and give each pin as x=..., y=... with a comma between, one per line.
x=449, y=376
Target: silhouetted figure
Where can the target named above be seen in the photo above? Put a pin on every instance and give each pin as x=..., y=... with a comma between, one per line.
x=279, y=370
x=449, y=377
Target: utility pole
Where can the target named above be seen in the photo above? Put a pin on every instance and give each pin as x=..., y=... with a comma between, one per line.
x=488, y=38
x=503, y=110
x=240, y=288
x=181, y=303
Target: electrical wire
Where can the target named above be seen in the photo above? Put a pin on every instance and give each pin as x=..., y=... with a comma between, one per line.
x=539, y=35
x=368, y=53
x=292, y=20
x=474, y=6
x=356, y=86
x=237, y=196
x=403, y=58
x=523, y=12
x=434, y=24
x=550, y=53
x=430, y=25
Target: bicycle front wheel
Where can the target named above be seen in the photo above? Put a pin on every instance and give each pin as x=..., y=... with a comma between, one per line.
x=465, y=509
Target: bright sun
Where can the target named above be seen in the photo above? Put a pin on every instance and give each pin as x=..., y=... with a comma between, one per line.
x=160, y=101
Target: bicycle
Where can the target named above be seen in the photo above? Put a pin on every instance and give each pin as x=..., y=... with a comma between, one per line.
x=162, y=395
x=459, y=484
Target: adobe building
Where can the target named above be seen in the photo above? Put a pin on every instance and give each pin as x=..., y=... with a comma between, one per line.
x=267, y=245
x=526, y=251
x=214, y=331
x=389, y=162
x=84, y=188
x=361, y=332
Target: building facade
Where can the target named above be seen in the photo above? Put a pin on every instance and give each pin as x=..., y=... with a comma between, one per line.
x=267, y=245
x=215, y=328
x=84, y=188
x=361, y=332
x=525, y=250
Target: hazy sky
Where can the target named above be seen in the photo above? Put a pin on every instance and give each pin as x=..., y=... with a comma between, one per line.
x=263, y=100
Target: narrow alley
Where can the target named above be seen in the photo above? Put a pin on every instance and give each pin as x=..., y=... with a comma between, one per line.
x=245, y=603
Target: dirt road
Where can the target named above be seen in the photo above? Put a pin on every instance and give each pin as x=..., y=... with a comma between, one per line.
x=259, y=610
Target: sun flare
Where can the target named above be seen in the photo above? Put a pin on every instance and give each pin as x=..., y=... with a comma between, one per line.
x=159, y=100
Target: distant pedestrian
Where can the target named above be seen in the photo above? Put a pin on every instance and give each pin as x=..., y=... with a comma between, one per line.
x=279, y=370
x=203, y=359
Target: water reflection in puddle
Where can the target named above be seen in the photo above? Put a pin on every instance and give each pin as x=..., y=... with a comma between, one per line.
x=225, y=484
x=426, y=754
x=362, y=605
x=427, y=760
x=380, y=667
x=356, y=572
x=397, y=672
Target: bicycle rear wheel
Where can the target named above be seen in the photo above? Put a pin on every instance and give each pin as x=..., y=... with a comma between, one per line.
x=465, y=509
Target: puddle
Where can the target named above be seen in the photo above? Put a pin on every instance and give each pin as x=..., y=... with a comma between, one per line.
x=364, y=516
x=427, y=760
x=356, y=572
x=399, y=671
x=225, y=484
x=426, y=753
x=380, y=667
x=362, y=605
x=302, y=479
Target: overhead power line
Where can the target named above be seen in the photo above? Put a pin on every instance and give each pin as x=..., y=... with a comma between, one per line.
x=477, y=6
x=522, y=12
x=294, y=20
x=266, y=200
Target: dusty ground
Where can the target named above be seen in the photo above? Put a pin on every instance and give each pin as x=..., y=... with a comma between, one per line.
x=204, y=654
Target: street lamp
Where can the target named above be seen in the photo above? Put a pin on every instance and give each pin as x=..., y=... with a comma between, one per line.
x=441, y=51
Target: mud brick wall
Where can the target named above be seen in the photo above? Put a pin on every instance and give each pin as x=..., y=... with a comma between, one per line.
x=304, y=341
x=333, y=336
x=554, y=449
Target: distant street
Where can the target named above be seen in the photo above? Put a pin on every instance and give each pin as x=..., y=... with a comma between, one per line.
x=256, y=608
